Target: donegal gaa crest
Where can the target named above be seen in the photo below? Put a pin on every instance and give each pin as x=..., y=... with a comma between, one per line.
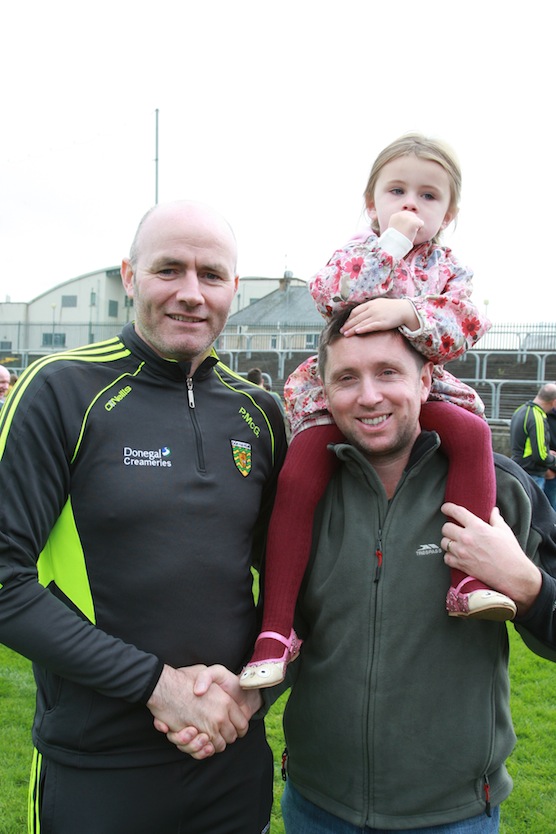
x=242, y=456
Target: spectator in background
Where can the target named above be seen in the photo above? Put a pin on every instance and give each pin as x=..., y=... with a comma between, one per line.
x=263, y=380
x=530, y=435
x=4, y=384
x=255, y=376
x=267, y=385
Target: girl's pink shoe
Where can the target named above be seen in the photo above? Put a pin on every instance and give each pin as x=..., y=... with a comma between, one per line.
x=480, y=604
x=263, y=673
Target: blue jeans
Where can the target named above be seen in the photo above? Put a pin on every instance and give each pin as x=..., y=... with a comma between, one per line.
x=550, y=491
x=539, y=480
x=302, y=817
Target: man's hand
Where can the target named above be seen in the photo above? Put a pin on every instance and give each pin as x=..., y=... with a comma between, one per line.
x=213, y=714
x=197, y=744
x=249, y=700
x=381, y=314
x=490, y=552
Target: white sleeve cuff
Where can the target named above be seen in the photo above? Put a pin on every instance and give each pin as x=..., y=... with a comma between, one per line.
x=405, y=330
x=394, y=243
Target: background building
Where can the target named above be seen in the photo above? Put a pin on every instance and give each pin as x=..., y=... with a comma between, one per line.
x=85, y=309
x=89, y=308
x=274, y=326
x=253, y=288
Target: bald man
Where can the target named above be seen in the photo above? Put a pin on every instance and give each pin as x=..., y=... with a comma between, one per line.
x=530, y=435
x=139, y=475
x=4, y=384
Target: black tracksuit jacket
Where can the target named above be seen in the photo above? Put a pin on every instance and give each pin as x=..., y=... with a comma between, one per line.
x=133, y=502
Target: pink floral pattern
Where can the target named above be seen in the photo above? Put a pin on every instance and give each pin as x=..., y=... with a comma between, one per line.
x=354, y=266
x=438, y=286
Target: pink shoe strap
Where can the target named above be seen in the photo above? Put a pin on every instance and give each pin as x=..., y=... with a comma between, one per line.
x=275, y=636
x=465, y=581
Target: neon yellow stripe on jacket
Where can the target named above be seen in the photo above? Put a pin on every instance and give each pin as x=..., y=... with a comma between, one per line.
x=108, y=351
x=62, y=561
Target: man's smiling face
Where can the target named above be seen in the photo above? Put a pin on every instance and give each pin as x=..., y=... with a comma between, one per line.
x=375, y=385
x=183, y=280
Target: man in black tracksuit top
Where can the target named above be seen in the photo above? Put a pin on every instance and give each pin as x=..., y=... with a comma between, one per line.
x=137, y=477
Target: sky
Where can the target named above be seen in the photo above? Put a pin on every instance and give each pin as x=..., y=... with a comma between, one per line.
x=273, y=113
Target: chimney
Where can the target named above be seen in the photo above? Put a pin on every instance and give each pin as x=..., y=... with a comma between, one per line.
x=285, y=281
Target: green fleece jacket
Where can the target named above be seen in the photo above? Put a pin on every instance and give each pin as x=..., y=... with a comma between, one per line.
x=399, y=715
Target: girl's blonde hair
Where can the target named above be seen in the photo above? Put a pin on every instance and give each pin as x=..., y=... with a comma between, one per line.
x=425, y=148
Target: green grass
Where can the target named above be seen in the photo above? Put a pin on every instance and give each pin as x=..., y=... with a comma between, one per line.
x=531, y=809
x=17, y=700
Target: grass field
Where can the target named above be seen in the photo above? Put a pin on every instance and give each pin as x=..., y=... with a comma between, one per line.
x=531, y=809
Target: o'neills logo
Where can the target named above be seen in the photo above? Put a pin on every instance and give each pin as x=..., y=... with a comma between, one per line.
x=113, y=401
x=147, y=457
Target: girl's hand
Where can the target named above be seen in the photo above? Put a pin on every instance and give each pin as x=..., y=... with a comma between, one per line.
x=407, y=223
x=381, y=314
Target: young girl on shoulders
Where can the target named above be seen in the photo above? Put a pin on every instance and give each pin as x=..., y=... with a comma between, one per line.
x=401, y=277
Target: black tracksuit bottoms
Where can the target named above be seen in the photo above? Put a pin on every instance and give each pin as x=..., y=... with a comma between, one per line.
x=230, y=793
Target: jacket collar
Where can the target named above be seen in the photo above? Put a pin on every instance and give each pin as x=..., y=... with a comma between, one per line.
x=164, y=367
x=425, y=443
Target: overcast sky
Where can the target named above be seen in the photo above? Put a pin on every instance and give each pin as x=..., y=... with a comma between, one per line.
x=273, y=113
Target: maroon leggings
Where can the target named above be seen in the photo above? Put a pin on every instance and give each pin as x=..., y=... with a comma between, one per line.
x=309, y=465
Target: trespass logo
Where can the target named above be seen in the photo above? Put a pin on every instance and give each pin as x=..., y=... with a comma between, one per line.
x=147, y=457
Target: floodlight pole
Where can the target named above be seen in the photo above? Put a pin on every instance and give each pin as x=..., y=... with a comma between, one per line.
x=156, y=159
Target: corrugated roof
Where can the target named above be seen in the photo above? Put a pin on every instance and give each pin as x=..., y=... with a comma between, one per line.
x=291, y=306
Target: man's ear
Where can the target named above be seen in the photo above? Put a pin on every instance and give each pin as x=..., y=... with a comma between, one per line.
x=126, y=272
x=426, y=380
x=324, y=391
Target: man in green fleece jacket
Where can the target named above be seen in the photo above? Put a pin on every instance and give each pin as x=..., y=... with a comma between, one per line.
x=399, y=717
x=426, y=696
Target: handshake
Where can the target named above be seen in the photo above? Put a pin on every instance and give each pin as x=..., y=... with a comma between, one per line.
x=201, y=709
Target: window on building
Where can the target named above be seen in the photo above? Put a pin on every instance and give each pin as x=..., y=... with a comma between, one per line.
x=113, y=309
x=273, y=341
x=311, y=341
x=5, y=345
x=69, y=301
x=53, y=339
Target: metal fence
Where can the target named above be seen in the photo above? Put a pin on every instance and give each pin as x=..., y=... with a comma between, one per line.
x=508, y=336
x=506, y=368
